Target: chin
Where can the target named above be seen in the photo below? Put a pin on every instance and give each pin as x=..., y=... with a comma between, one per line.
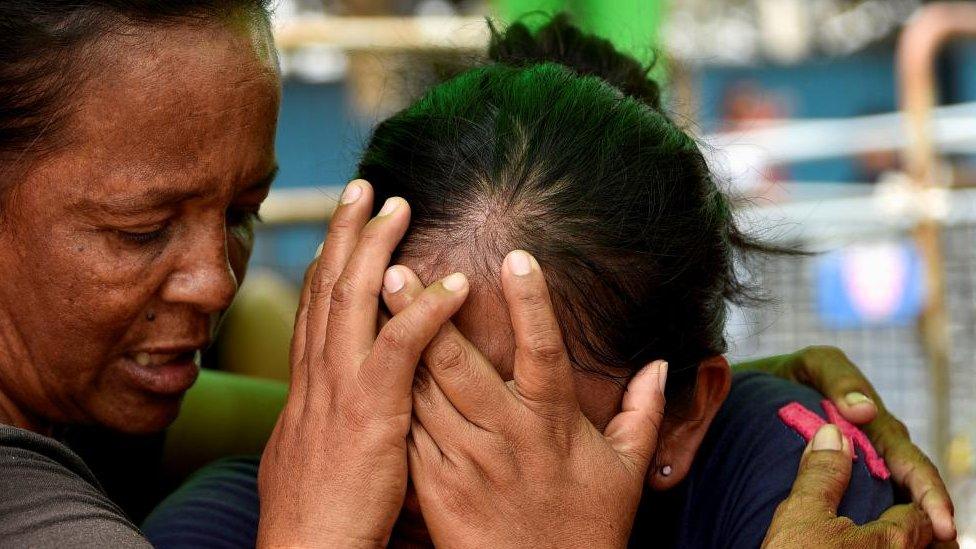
x=142, y=415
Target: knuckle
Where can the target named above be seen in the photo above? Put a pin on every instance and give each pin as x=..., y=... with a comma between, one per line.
x=344, y=290
x=826, y=479
x=321, y=281
x=547, y=348
x=393, y=337
x=829, y=468
x=447, y=355
x=890, y=428
x=532, y=297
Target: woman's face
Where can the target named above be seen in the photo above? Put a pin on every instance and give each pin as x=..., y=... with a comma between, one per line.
x=121, y=251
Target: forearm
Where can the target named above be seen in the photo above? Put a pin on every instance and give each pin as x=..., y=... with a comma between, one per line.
x=769, y=364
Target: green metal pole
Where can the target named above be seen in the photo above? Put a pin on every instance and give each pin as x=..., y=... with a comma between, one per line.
x=632, y=25
x=509, y=11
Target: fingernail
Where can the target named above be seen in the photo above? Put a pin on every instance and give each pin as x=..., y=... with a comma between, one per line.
x=520, y=263
x=318, y=251
x=455, y=282
x=352, y=193
x=828, y=438
x=393, y=280
x=856, y=398
x=662, y=376
x=390, y=206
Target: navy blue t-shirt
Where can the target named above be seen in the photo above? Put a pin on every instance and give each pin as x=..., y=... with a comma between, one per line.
x=744, y=469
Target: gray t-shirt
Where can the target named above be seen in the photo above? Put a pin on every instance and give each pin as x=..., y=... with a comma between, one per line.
x=49, y=498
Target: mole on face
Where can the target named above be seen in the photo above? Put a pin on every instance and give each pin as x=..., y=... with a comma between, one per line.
x=150, y=316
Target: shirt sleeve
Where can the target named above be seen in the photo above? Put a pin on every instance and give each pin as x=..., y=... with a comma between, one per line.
x=749, y=461
x=49, y=498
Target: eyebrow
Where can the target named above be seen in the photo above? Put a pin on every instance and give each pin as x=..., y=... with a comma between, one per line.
x=155, y=198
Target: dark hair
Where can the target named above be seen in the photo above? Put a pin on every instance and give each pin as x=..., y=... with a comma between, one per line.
x=560, y=148
x=45, y=56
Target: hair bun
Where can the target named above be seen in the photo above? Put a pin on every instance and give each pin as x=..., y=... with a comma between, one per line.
x=560, y=41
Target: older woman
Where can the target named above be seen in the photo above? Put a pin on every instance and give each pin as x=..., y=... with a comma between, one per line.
x=136, y=146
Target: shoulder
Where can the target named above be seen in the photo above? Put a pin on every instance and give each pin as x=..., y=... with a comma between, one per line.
x=48, y=497
x=748, y=461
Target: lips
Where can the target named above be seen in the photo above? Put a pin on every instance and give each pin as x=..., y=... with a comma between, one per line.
x=163, y=372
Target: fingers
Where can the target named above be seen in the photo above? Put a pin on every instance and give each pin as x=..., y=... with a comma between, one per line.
x=301, y=315
x=936, y=503
x=471, y=383
x=343, y=232
x=912, y=469
x=634, y=431
x=389, y=370
x=543, y=375
x=340, y=241
x=423, y=456
x=902, y=526
x=298, y=372
x=421, y=448
x=825, y=471
x=443, y=423
x=355, y=295
x=840, y=380
x=857, y=407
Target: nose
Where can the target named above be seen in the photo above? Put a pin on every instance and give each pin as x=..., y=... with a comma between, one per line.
x=204, y=278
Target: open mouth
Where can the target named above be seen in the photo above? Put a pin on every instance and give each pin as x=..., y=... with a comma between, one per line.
x=163, y=373
x=143, y=358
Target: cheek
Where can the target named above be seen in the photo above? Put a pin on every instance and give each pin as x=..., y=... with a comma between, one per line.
x=599, y=398
x=83, y=275
x=75, y=299
x=108, y=279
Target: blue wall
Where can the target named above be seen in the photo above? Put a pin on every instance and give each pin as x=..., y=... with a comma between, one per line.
x=824, y=88
x=319, y=140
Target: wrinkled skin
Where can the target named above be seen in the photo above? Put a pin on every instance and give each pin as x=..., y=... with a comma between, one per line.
x=134, y=236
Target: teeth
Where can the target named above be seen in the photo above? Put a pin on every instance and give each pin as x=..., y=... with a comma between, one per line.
x=143, y=359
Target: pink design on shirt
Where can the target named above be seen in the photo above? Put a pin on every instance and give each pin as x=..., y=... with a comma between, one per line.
x=807, y=423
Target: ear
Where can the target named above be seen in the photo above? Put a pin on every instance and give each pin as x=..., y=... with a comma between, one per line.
x=682, y=436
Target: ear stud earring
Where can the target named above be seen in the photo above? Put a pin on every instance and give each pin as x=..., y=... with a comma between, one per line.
x=666, y=471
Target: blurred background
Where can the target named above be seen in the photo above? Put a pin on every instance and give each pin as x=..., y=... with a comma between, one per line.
x=843, y=127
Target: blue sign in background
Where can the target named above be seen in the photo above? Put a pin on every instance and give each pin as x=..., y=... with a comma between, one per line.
x=881, y=284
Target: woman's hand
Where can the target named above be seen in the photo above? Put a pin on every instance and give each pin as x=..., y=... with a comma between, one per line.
x=830, y=372
x=518, y=464
x=810, y=512
x=334, y=473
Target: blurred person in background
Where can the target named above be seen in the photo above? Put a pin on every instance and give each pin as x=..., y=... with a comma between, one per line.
x=136, y=146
